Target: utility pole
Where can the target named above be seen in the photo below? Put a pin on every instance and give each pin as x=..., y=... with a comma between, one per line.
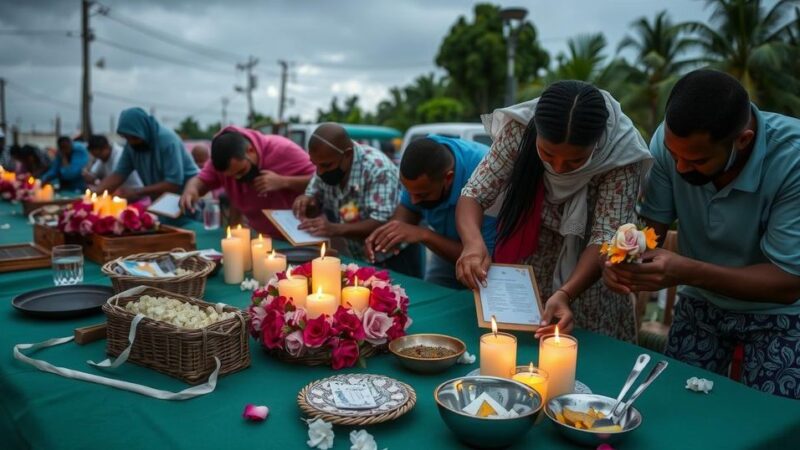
x=58, y=128
x=250, y=87
x=111, y=129
x=509, y=16
x=224, y=122
x=282, y=101
x=86, y=95
x=3, y=121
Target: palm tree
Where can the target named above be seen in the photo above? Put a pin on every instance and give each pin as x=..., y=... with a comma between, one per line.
x=752, y=42
x=657, y=44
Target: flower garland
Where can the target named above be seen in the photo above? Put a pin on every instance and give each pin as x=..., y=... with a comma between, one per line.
x=80, y=217
x=21, y=189
x=281, y=326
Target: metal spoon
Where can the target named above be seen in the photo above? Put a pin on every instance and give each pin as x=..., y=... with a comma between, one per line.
x=660, y=366
x=641, y=363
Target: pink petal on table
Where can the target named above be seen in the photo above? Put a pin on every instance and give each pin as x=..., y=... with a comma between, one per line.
x=605, y=447
x=253, y=412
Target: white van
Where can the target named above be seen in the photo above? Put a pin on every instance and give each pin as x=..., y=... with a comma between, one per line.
x=467, y=131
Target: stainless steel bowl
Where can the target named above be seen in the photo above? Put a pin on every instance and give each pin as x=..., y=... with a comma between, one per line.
x=427, y=365
x=483, y=432
x=582, y=402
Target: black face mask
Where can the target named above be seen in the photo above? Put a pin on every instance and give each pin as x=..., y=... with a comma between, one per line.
x=141, y=147
x=430, y=204
x=333, y=177
x=251, y=174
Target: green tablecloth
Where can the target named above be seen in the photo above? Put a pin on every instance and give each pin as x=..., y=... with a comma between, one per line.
x=44, y=411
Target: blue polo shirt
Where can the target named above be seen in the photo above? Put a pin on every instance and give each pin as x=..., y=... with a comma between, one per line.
x=753, y=220
x=442, y=218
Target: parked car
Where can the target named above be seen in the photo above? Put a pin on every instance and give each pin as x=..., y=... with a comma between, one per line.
x=467, y=131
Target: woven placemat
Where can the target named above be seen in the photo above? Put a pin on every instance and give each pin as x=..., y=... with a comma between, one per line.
x=338, y=419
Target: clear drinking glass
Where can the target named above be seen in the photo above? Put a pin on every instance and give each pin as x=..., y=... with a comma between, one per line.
x=211, y=215
x=67, y=264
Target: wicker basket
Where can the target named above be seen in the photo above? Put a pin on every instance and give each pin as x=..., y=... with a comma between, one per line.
x=178, y=352
x=190, y=285
x=322, y=355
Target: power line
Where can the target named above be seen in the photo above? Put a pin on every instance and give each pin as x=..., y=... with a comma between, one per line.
x=20, y=32
x=159, y=56
x=169, y=38
x=30, y=93
x=376, y=66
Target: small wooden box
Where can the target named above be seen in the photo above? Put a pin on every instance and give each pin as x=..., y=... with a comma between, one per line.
x=30, y=205
x=102, y=249
x=23, y=257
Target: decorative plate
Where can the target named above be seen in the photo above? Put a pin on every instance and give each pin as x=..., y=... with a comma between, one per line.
x=580, y=388
x=393, y=398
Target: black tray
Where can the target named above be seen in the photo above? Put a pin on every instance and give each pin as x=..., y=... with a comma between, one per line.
x=301, y=255
x=62, y=302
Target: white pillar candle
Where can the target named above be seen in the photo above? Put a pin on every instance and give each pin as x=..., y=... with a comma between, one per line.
x=319, y=304
x=558, y=356
x=273, y=264
x=498, y=353
x=355, y=297
x=259, y=248
x=326, y=274
x=243, y=233
x=294, y=288
x=232, y=249
x=258, y=254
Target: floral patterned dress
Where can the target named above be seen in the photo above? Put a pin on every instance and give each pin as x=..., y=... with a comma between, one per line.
x=611, y=199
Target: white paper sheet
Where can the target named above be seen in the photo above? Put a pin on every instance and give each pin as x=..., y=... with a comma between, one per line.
x=510, y=296
x=167, y=205
x=288, y=225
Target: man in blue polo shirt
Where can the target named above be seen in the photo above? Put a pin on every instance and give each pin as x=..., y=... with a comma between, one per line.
x=433, y=171
x=730, y=175
x=67, y=167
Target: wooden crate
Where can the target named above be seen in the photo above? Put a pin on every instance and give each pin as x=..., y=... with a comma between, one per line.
x=23, y=257
x=102, y=249
x=30, y=205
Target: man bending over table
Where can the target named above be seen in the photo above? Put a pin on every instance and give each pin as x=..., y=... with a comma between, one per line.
x=433, y=171
x=730, y=175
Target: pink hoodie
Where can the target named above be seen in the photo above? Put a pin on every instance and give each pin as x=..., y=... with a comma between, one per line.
x=276, y=153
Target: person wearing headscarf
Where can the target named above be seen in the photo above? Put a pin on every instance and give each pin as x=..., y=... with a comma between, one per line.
x=155, y=152
x=564, y=171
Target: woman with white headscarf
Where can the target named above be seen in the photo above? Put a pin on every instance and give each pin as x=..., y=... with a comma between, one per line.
x=568, y=165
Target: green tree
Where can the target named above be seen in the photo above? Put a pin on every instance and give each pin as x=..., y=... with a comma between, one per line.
x=753, y=43
x=189, y=128
x=474, y=56
x=349, y=112
x=440, y=109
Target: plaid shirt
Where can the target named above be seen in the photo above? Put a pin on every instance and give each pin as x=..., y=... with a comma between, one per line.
x=373, y=188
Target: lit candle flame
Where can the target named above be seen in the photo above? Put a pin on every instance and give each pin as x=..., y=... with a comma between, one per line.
x=530, y=369
x=494, y=327
x=288, y=273
x=260, y=238
x=94, y=197
x=355, y=282
x=88, y=193
x=229, y=228
x=31, y=180
x=239, y=227
x=322, y=251
x=558, y=339
x=319, y=292
x=105, y=194
x=116, y=199
x=272, y=255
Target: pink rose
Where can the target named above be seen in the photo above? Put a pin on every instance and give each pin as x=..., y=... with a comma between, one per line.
x=376, y=324
x=272, y=330
x=147, y=221
x=117, y=227
x=347, y=324
x=382, y=299
x=130, y=218
x=86, y=227
x=302, y=270
x=294, y=318
x=81, y=213
x=316, y=332
x=630, y=239
x=344, y=354
x=278, y=304
x=257, y=315
x=294, y=343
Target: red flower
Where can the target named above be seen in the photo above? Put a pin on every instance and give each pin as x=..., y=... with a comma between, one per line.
x=130, y=218
x=383, y=299
x=303, y=269
x=147, y=220
x=80, y=205
x=348, y=324
x=278, y=304
x=316, y=332
x=398, y=328
x=272, y=330
x=344, y=354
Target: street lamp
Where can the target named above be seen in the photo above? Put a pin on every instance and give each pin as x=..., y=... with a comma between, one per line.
x=509, y=16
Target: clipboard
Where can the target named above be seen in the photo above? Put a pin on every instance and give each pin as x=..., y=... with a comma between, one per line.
x=506, y=325
x=298, y=238
x=167, y=205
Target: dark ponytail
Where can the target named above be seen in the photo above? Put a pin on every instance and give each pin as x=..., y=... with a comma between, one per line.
x=572, y=112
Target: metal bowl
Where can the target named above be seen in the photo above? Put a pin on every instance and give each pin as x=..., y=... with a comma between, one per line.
x=582, y=402
x=427, y=365
x=484, y=432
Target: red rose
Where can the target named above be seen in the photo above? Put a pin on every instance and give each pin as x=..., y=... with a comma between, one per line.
x=344, y=354
x=147, y=221
x=130, y=218
x=104, y=225
x=80, y=205
x=278, y=304
x=302, y=270
x=398, y=328
x=382, y=299
x=272, y=330
x=347, y=324
x=404, y=304
x=316, y=332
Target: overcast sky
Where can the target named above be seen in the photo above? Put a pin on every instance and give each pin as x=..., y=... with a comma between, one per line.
x=341, y=47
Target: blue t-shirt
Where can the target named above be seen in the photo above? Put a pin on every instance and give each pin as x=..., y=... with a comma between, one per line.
x=70, y=176
x=442, y=218
x=753, y=220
